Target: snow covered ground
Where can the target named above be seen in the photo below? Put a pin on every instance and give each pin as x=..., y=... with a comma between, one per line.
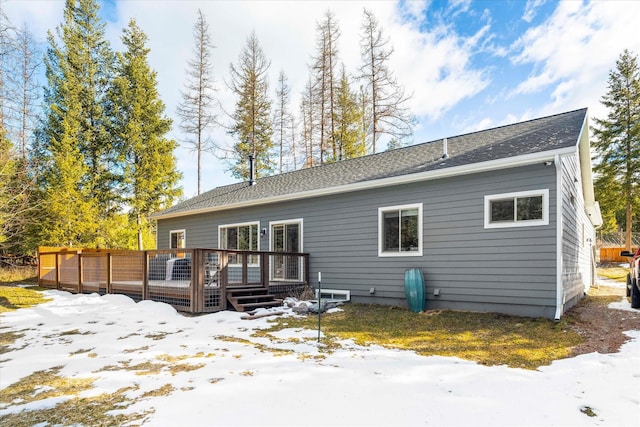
x=242, y=380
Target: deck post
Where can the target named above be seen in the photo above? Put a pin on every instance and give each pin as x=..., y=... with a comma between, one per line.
x=57, y=270
x=224, y=277
x=79, y=255
x=245, y=269
x=108, y=285
x=196, y=287
x=264, y=268
x=145, y=275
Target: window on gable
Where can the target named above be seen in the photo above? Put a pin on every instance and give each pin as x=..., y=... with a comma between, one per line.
x=522, y=209
x=400, y=230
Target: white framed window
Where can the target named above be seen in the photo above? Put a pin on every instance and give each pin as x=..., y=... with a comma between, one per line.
x=521, y=209
x=242, y=236
x=286, y=236
x=177, y=239
x=400, y=230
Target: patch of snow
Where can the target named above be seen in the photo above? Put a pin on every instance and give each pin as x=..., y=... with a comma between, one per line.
x=291, y=380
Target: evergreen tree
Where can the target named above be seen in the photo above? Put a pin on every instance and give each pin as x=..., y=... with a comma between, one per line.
x=282, y=121
x=325, y=86
x=69, y=212
x=24, y=80
x=308, y=124
x=617, y=142
x=348, y=129
x=198, y=102
x=252, y=125
x=389, y=114
x=140, y=125
x=13, y=200
x=74, y=152
x=19, y=65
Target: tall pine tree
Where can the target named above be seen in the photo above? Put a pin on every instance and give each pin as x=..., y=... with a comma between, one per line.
x=389, y=114
x=252, y=125
x=282, y=120
x=74, y=151
x=348, y=129
x=197, y=108
x=326, y=81
x=150, y=177
x=617, y=143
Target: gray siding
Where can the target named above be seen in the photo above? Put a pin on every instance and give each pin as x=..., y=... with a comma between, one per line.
x=510, y=270
x=578, y=235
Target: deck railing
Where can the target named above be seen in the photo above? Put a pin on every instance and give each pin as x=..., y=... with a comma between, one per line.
x=191, y=280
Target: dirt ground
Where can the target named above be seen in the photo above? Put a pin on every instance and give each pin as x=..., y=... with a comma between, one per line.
x=600, y=326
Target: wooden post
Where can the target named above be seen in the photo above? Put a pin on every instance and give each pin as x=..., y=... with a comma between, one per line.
x=145, y=275
x=38, y=268
x=108, y=289
x=57, y=270
x=79, y=255
x=264, y=269
x=224, y=261
x=245, y=269
x=196, y=286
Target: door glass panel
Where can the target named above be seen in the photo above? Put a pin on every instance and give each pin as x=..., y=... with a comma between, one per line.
x=286, y=238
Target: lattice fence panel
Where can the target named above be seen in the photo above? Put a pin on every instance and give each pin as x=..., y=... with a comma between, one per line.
x=127, y=274
x=94, y=273
x=170, y=278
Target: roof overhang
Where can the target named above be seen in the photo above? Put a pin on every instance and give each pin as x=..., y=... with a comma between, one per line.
x=591, y=206
x=504, y=163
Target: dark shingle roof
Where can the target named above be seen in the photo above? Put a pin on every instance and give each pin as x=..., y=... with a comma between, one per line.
x=530, y=137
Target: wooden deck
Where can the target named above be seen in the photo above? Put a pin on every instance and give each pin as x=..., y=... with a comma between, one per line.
x=191, y=280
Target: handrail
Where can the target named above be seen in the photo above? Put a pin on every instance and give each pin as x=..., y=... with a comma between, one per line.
x=149, y=274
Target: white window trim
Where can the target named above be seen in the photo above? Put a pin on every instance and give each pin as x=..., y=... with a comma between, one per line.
x=239, y=224
x=381, y=211
x=298, y=221
x=532, y=223
x=183, y=231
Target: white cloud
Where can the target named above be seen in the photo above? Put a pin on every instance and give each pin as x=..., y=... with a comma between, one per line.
x=573, y=51
x=436, y=66
x=530, y=9
x=568, y=56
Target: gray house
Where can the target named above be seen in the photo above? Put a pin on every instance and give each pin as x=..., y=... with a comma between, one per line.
x=500, y=220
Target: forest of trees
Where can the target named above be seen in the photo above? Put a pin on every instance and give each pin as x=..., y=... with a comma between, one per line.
x=86, y=161
x=617, y=145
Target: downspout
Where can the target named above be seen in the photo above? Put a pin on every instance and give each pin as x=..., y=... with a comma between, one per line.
x=559, y=288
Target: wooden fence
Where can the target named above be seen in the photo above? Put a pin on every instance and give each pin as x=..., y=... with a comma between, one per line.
x=612, y=255
x=191, y=280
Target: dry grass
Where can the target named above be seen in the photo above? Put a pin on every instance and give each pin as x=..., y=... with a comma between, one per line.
x=15, y=297
x=73, y=410
x=12, y=275
x=616, y=273
x=488, y=338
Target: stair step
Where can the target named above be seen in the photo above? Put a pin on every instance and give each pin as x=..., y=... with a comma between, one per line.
x=254, y=305
x=247, y=291
x=251, y=298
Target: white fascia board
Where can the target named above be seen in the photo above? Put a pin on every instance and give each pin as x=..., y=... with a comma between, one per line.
x=592, y=207
x=505, y=163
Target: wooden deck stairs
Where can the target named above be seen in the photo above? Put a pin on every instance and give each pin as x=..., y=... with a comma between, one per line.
x=248, y=298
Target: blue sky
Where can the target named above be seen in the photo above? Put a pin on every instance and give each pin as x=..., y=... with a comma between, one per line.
x=470, y=65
